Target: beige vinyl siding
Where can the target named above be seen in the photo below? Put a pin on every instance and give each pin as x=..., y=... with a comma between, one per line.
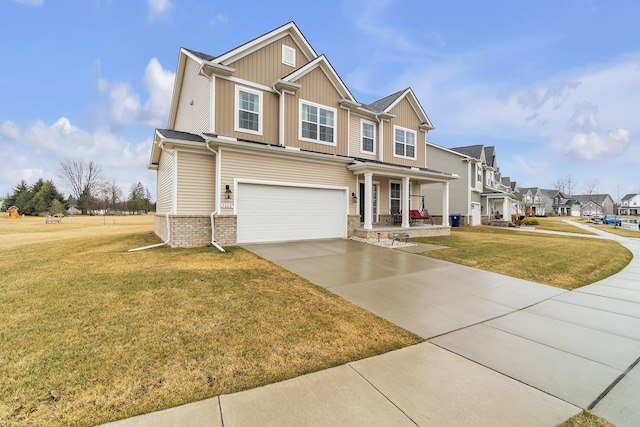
x=194, y=106
x=265, y=65
x=270, y=168
x=196, y=178
x=355, y=138
x=405, y=117
x=316, y=89
x=164, y=198
x=225, y=113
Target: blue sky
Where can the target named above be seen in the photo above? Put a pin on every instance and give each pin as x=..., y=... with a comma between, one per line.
x=553, y=85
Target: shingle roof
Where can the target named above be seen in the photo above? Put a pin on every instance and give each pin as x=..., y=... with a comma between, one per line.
x=185, y=136
x=629, y=196
x=384, y=103
x=590, y=197
x=200, y=55
x=490, y=155
x=474, y=151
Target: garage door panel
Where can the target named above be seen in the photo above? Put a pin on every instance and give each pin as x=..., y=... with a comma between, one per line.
x=268, y=213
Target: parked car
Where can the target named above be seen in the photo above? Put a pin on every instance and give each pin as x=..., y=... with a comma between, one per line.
x=612, y=219
x=596, y=218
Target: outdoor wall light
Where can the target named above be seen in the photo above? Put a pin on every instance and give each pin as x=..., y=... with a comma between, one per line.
x=227, y=191
x=354, y=198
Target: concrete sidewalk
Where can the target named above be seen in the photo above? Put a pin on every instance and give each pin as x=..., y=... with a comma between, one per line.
x=499, y=351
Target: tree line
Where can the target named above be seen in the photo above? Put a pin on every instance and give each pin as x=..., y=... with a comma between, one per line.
x=89, y=192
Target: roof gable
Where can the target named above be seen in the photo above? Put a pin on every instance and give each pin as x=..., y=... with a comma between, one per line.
x=474, y=151
x=259, y=42
x=386, y=104
x=323, y=64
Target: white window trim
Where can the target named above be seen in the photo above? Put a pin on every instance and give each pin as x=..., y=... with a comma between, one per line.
x=236, y=113
x=335, y=123
x=362, y=122
x=415, y=146
x=479, y=181
x=400, y=184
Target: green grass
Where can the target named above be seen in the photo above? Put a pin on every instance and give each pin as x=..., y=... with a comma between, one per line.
x=120, y=333
x=561, y=261
x=558, y=224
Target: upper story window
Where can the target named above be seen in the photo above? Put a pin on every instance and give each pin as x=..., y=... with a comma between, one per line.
x=248, y=111
x=317, y=123
x=478, y=175
x=404, y=143
x=368, y=137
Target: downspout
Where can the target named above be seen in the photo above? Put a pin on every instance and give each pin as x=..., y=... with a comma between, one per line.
x=166, y=242
x=280, y=115
x=215, y=211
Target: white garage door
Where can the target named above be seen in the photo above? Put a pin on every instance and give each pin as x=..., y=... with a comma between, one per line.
x=271, y=213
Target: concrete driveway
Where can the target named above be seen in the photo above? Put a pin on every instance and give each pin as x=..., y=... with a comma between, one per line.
x=581, y=347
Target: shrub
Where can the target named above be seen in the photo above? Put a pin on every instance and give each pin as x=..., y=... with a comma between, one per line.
x=530, y=221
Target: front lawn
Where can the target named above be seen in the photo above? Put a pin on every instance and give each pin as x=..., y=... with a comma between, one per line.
x=118, y=333
x=563, y=261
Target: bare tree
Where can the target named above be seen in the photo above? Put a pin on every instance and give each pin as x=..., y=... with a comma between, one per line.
x=560, y=185
x=591, y=187
x=79, y=178
x=570, y=185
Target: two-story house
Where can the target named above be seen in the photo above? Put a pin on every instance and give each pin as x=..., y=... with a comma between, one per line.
x=479, y=195
x=629, y=205
x=591, y=204
x=266, y=143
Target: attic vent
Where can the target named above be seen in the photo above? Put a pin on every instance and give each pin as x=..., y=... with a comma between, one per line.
x=288, y=56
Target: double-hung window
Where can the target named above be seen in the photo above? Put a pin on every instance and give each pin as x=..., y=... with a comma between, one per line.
x=248, y=112
x=404, y=143
x=317, y=123
x=367, y=131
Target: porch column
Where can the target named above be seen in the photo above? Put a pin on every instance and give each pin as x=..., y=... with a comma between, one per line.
x=368, y=206
x=405, y=202
x=445, y=203
x=506, y=209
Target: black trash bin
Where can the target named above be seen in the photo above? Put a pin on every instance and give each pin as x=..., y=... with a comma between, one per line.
x=455, y=220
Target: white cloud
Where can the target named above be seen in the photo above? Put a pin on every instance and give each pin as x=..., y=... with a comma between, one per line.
x=9, y=130
x=41, y=147
x=594, y=146
x=159, y=9
x=30, y=2
x=127, y=108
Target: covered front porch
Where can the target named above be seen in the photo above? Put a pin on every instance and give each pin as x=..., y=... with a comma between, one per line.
x=388, y=193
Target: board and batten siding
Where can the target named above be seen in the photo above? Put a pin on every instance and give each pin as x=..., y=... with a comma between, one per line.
x=316, y=89
x=405, y=117
x=355, y=138
x=278, y=169
x=194, y=106
x=225, y=113
x=196, y=183
x=164, y=197
x=265, y=65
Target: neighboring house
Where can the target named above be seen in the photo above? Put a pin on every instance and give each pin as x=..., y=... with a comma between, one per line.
x=535, y=201
x=630, y=205
x=73, y=207
x=266, y=143
x=479, y=195
x=592, y=204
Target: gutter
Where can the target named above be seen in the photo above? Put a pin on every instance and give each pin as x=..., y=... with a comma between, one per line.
x=215, y=211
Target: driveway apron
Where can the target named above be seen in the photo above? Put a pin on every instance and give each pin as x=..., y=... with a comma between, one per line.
x=581, y=347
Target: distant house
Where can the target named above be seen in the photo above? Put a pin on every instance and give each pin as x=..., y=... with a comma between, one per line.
x=595, y=204
x=479, y=194
x=630, y=205
x=72, y=208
